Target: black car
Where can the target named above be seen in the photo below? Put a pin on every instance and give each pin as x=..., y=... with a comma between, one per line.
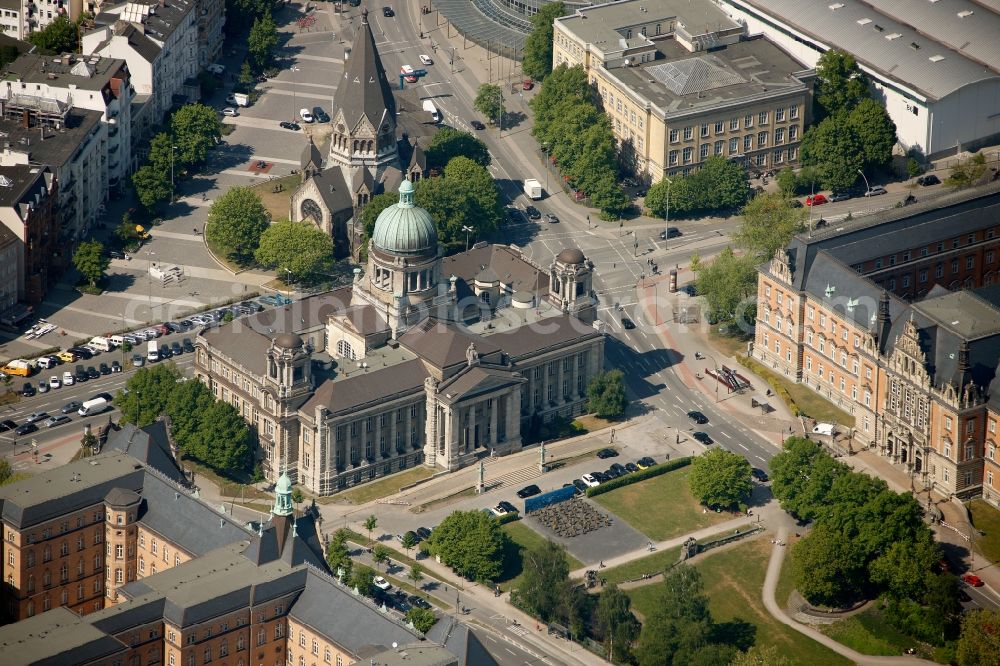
x=321, y=115
x=671, y=232
x=284, y=124
x=627, y=324
x=173, y=327
x=253, y=305
x=419, y=602
x=26, y=429
x=619, y=469
x=631, y=467
x=7, y=424
x=423, y=532
x=85, y=354
x=698, y=418
x=185, y=325
x=607, y=453
x=187, y=345
x=165, y=352
x=929, y=179
x=27, y=390
x=507, y=506
x=104, y=369
x=116, y=366
x=388, y=12
x=176, y=349
x=529, y=491
x=533, y=213
x=580, y=485
x=71, y=407
x=93, y=373
x=602, y=477
x=759, y=474
x=80, y=375
x=477, y=125
x=703, y=438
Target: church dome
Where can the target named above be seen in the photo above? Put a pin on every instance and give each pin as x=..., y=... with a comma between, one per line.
x=570, y=256
x=288, y=341
x=405, y=229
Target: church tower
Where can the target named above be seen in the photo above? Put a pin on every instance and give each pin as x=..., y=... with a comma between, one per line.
x=364, y=112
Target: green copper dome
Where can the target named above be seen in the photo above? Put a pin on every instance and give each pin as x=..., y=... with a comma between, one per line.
x=404, y=228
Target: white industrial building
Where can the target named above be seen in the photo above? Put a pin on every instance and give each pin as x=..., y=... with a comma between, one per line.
x=935, y=63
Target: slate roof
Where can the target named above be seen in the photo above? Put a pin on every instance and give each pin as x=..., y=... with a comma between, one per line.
x=364, y=90
x=548, y=333
x=48, y=639
x=334, y=190
x=354, y=622
x=143, y=45
x=150, y=445
x=311, y=155
x=365, y=389
x=462, y=640
x=513, y=271
x=476, y=381
x=444, y=345
x=365, y=319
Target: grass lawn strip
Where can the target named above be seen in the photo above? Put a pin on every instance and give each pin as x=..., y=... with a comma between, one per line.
x=986, y=519
x=277, y=203
x=522, y=538
x=734, y=580
x=869, y=632
x=433, y=504
x=384, y=487
x=395, y=555
x=632, y=504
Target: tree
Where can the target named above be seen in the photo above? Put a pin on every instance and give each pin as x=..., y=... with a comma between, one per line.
x=151, y=187
x=338, y=556
x=236, y=222
x=564, y=87
x=246, y=78
x=59, y=36
x=606, y=394
x=876, y=132
x=195, y=129
x=380, y=554
x=724, y=183
x=489, y=102
x=761, y=655
x=91, y=261
x=835, y=149
x=727, y=283
x=481, y=190
x=968, y=173
x=802, y=475
x=297, y=250
x=787, y=181
x=979, y=643
x=262, y=40
x=616, y=622
x=371, y=522
x=409, y=541
x=447, y=143
x=163, y=154
x=721, y=478
x=769, y=222
x=840, y=84
x=362, y=578
x=679, y=623
x=422, y=619
x=89, y=441
x=148, y=391
x=827, y=568
x=415, y=574
x=544, y=579
x=466, y=195
x=6, y=471
x=298, y=497
x=471, y=543
x=536, y=60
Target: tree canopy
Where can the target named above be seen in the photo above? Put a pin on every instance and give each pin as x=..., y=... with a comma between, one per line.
x=768, y=224
x=719, y=185
x=236, y=222
x=721, y=478
x=680, y=623
x=728, y=282
x=91, y=261
x=471, y=543
x=195, y=129
x=979, y=643
x=449, y=142
x=262, y=40
x=617, y=624
x=606, y=394
x=875, y=130
x=967, y=173
x=544, y=577
x=489, y=102
x=298, y=250
x=840, y=83
x=466, y=195
x=834, y=148
x=536, y=60
x=59, y=36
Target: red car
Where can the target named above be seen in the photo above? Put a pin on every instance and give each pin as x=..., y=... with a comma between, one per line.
x=817, y=200
x=972, y=580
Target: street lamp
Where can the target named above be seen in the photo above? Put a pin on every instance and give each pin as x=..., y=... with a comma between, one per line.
x=867, y=186
x=294, y=69
x=666, y=215
x=716, y=363
x=172, y=150
x=149, y=281
x=468, y=230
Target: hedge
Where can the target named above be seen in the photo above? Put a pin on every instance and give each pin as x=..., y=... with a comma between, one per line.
x=641, y=475
x=508, y=517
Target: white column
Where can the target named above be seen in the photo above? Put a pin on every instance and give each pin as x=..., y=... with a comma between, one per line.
x=493, y=421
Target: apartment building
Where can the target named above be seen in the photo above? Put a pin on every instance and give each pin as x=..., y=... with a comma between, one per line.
x=211, y=20
x=28, y=212
x=10, y=18
x=896, y=320
x=91, y=82
x=9, y=273
x=682, y=82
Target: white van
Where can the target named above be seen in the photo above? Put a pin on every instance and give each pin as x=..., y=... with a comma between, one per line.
x=91, y=407
x=116, y=340
x=48, y=362
x=101, y=343
x=152, y=352
x=433, y=110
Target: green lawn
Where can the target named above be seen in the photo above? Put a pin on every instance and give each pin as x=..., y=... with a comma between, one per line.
x=522, y=537
x=869, y=632
x=986, y=518
x=733, y=580
x=786, y=582
x=651, y=564
x=680, y=514
x=808, y=402
x=384, y=487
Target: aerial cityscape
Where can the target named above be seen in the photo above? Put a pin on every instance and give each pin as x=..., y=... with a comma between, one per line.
x=645, y=332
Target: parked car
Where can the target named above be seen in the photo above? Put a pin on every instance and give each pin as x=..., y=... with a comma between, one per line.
x=671, y=232
x=423, y=532
x=533, y=213
x=176, y=349
x=972, y=580
x=26, y=429
x=28, y=390
x=104, y=369
x=698, y=417
x=116, y=366
x=7, y=424
x=839, y=196
x=43, y=386
x=551, y=218
x=54, y=421
x=71, y=407
x=388, y=12
x=590, y=480
x=284, y=124
x=477, y=125
x=230, y=111
x=419, y=602
x=816, y=200
x=759, y=474
x=54, y=382
x=875, y=191
x=607, y=453
x=165, y=352
x=67, y=378
x=929, y=179
x=187, y=345
x=34, y=417
x=703, y=438
x=507, y=506
x=138, y=360
x=631, y=467
x=619, y=469
x=320, y=115
x=93, y=373
x=627, y=324
x=306, y=116
x=381, y=583
x=580, y=485
x=529, y=491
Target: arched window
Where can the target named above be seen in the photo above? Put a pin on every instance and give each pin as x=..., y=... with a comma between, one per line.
x=344, y=350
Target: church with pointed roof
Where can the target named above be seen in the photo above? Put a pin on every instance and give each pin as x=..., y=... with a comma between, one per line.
x=363, y=157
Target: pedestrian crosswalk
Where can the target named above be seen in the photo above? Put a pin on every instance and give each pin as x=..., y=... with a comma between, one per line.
x=517, y=629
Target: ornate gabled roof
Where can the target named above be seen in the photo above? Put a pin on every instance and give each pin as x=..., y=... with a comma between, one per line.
x=364, y=90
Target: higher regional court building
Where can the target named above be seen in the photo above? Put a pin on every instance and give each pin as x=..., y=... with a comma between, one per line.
x=424, y=359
